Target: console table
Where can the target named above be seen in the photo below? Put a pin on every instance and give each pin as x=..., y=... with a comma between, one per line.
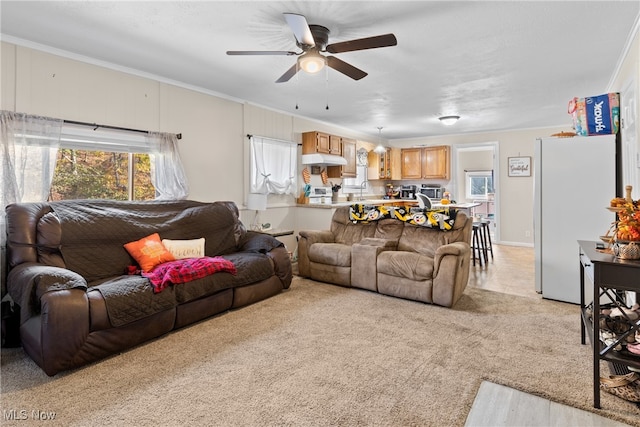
x=609, y=275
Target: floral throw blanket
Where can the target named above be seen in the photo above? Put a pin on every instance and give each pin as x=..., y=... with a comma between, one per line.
x=186, y=270
x=442, y=219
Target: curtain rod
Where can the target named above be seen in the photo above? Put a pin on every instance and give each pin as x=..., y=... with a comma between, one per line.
x=249, y=136
x=96, y=126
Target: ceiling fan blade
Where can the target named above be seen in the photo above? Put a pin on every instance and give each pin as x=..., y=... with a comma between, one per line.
x=346, y=69
x=365, y=43
x=260, y=52
x=300, y=28
x=288, y=74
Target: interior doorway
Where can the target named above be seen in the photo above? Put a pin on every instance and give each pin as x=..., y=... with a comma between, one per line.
x=472, y=165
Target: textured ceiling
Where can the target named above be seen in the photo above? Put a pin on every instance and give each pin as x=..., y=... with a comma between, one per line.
x=499, y=65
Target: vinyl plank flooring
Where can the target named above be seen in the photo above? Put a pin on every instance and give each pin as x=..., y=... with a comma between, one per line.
x=500, y=406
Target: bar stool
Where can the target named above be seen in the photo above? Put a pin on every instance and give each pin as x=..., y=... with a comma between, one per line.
x=477, y=243
x=488, y=245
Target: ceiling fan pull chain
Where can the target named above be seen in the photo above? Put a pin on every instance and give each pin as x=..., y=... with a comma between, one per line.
x=327, y=86
x=297, y=83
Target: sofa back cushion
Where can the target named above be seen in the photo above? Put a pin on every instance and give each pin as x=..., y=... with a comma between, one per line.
x=389, y=229
x=426, y=240
x=348, y=233
x=88, y=236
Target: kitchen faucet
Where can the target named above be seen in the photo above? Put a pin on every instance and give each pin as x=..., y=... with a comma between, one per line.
x=362, y=185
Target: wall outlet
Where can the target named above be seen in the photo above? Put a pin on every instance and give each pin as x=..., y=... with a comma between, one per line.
x=527, y=233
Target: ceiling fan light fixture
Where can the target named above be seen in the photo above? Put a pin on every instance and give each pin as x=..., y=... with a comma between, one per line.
x=311, y=62
x=449, y=120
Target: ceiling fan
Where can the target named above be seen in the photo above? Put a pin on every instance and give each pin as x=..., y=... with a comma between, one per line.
x=313, y=39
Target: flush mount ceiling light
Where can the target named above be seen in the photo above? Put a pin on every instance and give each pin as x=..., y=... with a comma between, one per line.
x=449, y=120
x=311, y=62
x=380, y=148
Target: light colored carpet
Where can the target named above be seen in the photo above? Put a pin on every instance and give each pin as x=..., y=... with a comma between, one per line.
x=319, y=355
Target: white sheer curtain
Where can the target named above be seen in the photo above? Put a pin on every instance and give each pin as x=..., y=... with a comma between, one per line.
x=273, y=166
x=28, y=149
x=167, y=174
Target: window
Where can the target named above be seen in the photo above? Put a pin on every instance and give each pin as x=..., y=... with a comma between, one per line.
x=102, y=163
x=87, y=174
x=273, y=166
x=478, y=184
x=105, y=163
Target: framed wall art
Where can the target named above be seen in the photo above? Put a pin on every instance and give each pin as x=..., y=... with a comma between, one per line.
x=519, y=166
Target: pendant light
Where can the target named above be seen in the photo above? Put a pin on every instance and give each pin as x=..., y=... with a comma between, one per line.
x=380, y=148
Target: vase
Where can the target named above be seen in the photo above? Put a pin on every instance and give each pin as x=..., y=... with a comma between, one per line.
x=626, y=250
x=334, y=197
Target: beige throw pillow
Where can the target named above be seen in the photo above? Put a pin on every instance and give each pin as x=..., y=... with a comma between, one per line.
x=185, y=248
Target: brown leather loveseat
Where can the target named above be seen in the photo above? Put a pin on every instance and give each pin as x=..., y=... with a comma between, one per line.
x=390, y=257
x=68, y=274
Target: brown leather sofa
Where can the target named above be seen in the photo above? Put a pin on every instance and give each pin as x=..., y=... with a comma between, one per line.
x=67, y=267
x=390, y=256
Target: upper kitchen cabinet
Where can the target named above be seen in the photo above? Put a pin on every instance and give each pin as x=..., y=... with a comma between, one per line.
x=436, y=162
x=384, y=165
x=426, y=163
x=319, y=142
x=411, y=163
x=348, y=151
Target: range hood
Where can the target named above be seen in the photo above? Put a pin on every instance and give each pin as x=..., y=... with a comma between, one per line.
x=323, y=159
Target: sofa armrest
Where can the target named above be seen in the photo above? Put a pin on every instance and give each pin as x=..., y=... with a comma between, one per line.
x=259, y=242
x=450, y=272
x=282, y=265
x=64, y=328
x=306, y=239
x=27, y=283
x=274, y=249
x=317, y=236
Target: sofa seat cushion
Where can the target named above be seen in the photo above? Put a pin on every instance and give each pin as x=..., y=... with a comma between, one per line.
x=409, y=265
x=330, y=254
x=250, y=268
x=129, y=298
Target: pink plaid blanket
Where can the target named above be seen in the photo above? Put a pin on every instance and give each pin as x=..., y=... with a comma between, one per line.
x=186, y=270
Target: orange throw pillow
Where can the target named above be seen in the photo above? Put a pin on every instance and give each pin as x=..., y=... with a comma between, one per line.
x=149, y=252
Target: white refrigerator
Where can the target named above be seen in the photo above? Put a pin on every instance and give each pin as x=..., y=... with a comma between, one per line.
x=574, y=181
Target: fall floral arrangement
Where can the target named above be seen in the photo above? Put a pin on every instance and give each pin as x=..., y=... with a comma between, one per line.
x=628, y=223
x=627, y=226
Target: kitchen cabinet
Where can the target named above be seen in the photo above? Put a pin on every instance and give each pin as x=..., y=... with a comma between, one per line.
x=411, y=163
x=426, y=163
x=335, y=145
x=348, y=151
x=436, y=162
x=320, y=142
x=384, y=165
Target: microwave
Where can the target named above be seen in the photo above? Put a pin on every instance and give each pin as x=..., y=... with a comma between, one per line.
x=432, y=192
